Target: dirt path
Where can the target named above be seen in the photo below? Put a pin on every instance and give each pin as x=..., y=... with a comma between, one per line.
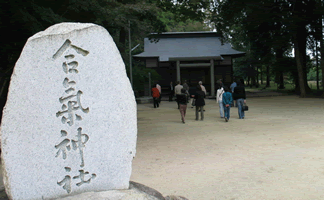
x=277, y=152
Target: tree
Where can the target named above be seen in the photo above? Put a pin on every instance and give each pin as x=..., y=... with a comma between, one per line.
x=271, y=25
x=174, y=25
x=22, y=19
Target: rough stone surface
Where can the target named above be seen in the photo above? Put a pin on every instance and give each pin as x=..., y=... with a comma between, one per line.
x=172, y=197
x=136, y=191
x=69, y=125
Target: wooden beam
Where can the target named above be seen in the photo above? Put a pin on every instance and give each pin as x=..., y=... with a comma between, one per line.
x=195, y=65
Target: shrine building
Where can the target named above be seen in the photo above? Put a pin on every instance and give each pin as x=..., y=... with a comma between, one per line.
x=191, y=56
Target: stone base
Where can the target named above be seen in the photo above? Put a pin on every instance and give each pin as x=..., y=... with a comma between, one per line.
x=136, y=191
x=144, y=100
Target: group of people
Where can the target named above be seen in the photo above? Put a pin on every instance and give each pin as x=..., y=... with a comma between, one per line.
x=225, y=97
x=183, y=96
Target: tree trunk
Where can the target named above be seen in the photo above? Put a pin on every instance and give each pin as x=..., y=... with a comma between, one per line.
x=317, y=71
x=281, y=79
x=299, y=36
x=261, y=75
x=257, y=75
x=279, y=73
x=322, y=51
x=296, y=81
x=122, y=42
x=253, y=81
x=300, y=63
x=268, y=76
x=4, y=84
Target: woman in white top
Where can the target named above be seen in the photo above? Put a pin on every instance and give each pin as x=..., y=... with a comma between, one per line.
x=219, y=99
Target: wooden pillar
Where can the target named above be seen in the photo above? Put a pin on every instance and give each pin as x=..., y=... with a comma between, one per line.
x=212, y=78
x=178, y=71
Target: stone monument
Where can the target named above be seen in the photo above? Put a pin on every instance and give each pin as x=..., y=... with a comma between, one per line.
x=69, y=125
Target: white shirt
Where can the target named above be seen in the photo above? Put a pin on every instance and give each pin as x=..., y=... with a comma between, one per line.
x=203, y=89
x=177, y=89
x=219, y=95
x=158, y=87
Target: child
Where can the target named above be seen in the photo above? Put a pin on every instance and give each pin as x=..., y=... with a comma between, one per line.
x=227, y=101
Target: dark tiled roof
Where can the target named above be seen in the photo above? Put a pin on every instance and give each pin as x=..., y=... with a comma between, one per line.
x=187, y=46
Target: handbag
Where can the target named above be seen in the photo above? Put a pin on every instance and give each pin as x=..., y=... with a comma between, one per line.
x=245, y=107
x=193, y=102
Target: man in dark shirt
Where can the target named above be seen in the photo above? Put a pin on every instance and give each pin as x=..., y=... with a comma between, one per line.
x=239, y=95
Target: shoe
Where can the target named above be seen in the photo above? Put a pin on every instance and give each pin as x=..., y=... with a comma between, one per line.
x=242, y=117
x=226, y=120
x=202, y=119
x=183, y=122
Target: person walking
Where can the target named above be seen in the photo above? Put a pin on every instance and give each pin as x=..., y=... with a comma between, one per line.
x=200, y=102
x=171, y=88
x=177, y=91
x=227, y=101
x=192, y=91
x=156, y=96
x=219, y=100
x=186, y=87
x=233, y=85
x=160, y=91
x=240, y=97
x=203, y=89
x=183, y=99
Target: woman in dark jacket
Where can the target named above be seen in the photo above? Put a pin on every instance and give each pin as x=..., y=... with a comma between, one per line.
x=182, y=99
x=199, y=102
x=239, y=95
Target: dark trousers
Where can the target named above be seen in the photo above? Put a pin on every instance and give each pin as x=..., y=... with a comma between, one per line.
x=171, y=96
x=155, y=102
x=183, y=109
x=178, y=101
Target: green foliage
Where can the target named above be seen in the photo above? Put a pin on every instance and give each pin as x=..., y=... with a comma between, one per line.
x=312, y=74
x=141, y=77
x=268, y=29
x=173, y=25
x=23, y=19
x=184, y=9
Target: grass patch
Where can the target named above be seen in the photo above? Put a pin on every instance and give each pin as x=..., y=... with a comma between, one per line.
x=289, y=89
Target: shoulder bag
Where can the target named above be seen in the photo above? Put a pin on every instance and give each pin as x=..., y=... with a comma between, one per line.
x=245, y=107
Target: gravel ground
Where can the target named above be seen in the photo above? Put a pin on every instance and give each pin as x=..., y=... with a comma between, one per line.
x=276, y=152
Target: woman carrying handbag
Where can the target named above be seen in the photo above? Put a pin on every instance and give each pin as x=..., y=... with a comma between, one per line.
x=239, y=95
